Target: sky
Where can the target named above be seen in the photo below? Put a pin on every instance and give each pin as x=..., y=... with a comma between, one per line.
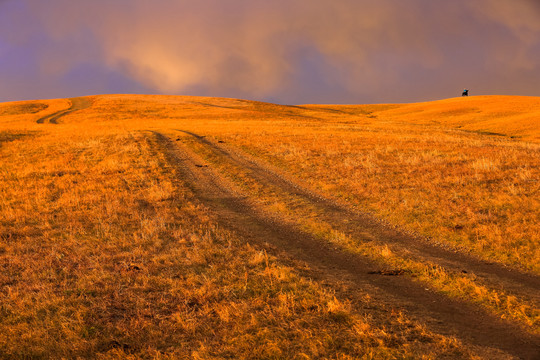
x=282, y=51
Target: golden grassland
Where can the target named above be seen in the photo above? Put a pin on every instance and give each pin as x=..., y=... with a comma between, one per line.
x=465, y=190
x=462, y=285
x=104, y=253
x=104, y=250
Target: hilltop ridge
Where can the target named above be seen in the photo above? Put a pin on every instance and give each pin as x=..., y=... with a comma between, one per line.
x=512, y=116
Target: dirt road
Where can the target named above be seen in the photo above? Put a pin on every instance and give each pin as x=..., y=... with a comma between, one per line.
x=79, y=103
x=236, y=211
x=352, y=222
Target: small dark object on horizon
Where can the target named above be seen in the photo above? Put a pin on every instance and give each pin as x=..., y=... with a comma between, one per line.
x=465, y=92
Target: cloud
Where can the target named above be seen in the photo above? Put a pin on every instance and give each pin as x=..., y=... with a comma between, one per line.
x=360, y=50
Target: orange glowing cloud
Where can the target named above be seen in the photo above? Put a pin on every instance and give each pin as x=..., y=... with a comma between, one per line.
x=386, y=50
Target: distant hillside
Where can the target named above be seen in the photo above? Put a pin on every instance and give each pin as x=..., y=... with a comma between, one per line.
x=514, y=116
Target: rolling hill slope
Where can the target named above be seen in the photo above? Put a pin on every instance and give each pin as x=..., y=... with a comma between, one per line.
x=512, y=116
x=194, y=227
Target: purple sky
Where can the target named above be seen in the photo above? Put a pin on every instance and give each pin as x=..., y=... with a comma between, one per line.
x=285, y=51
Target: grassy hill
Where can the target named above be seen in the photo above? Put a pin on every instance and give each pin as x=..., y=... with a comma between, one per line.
x=142, y=226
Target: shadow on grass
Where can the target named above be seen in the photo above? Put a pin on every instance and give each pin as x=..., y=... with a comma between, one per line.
x=8, y=136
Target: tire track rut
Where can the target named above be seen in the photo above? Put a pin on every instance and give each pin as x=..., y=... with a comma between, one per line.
x=352, y=222
x=444, y=315
x=77, y=104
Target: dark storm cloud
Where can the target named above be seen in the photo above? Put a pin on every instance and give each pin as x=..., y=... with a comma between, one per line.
x=284, y=51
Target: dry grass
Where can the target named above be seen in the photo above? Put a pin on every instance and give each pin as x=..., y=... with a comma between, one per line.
x=25, y=113
x=514, y=116
x=463, y=189
x=105, y=253
x=457, y=284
